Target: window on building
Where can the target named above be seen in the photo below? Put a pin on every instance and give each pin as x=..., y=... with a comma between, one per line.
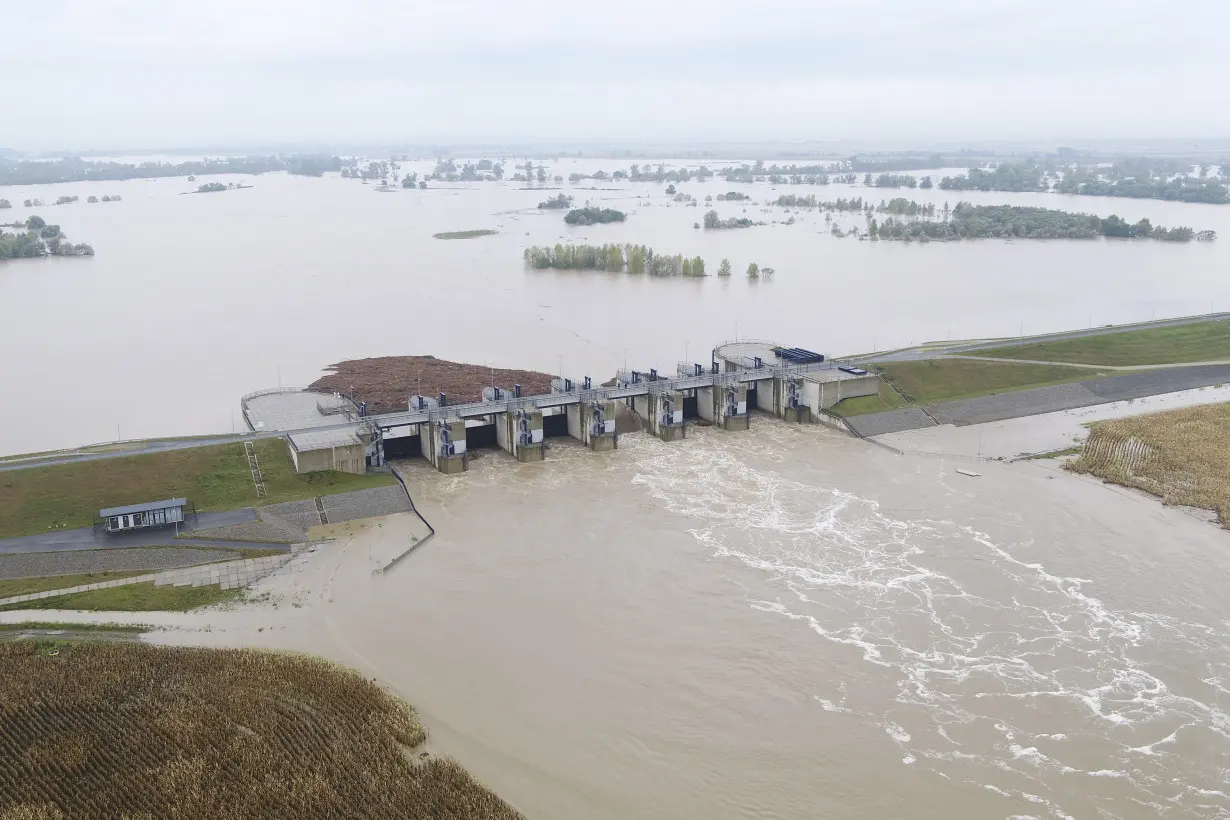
x=113, y=523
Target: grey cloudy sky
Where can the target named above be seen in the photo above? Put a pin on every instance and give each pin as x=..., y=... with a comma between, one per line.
x=159, y=73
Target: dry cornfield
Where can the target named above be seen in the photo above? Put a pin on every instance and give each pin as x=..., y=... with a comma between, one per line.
x=1181, y=455
x=142, y=732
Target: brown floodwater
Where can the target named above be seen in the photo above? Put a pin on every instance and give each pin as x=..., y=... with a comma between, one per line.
x=193, y=301
x=785, y=624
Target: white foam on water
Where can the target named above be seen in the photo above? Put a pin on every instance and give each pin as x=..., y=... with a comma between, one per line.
x=897, y=733
x=1151, y=748
x=1032, y=755
x=829, y=706
x=902, y=595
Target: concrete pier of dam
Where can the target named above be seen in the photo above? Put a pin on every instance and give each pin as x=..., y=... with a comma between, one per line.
x=593, y=424
x=742, y=376
x=723, y=405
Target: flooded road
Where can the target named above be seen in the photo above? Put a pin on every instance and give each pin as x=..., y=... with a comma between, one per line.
x=193, y=301
x=787, y=624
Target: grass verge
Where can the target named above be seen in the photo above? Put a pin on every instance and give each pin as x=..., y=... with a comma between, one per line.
x=933, y=381
x=71, y=627
x=1179, y=455
x=171, y=732
x=886, y=399
x=105, y=447
x=212, y=477
x=25, y=586
x=133, y=598
x=1196, y=342
x=463, y=234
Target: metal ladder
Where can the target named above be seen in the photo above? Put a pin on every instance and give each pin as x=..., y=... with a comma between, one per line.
x=255, y=467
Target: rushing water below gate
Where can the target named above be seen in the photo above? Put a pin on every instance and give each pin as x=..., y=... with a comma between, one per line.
x=192, y=301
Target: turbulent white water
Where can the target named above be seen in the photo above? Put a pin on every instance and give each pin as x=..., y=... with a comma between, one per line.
x=1007, y=672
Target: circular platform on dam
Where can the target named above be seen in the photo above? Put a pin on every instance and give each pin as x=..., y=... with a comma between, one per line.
x=742, y=354
x=288, y=409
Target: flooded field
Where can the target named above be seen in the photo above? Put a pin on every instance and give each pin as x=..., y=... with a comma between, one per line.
x=193, y=301
x=785, y=624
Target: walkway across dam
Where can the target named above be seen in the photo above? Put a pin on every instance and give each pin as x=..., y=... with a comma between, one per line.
x=742, y=376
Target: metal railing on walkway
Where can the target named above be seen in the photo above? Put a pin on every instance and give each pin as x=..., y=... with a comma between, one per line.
x=548, y=400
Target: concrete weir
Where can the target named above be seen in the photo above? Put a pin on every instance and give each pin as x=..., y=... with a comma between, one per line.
x=789, y=382
x=519, y=432
x=444, y=444
x=593, y=424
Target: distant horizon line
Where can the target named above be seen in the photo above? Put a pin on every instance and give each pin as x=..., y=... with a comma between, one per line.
x=631, y=148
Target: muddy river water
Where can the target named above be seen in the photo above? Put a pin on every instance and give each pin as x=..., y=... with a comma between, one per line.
x=786, y=624
x=780, y=624
x=193, y=301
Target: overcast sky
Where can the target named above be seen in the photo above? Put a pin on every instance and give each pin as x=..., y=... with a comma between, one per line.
x=165, y=73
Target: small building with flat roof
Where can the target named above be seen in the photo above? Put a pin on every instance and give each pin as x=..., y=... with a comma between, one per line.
x=342, y=449
x=819, y=387
x=140, y=516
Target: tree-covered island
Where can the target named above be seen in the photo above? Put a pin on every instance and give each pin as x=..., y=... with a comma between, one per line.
x=593, y=216
x=36, y=238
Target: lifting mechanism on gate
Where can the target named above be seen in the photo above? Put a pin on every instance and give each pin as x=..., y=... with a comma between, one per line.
x=524, y=437
x=598, y=427
x=447, y=448
x=668, y=411
x=792, y=393
x=732, y=401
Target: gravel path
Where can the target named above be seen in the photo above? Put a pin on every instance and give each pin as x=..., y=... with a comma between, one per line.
x=366, y=503
x=39, y=564
x=269, y=529
x=301, y=514
x=890, y=421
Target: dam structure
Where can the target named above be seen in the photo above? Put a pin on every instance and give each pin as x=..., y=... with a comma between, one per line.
x=791, y=383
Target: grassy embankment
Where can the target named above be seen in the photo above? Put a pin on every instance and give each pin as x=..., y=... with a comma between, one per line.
x=1180, y=455
x=463, y=234
x=100, y=729
x=105, y=447
x=932, y=381
x=214, y=477
x=1196, y=342
x=9, y=629
x=27, y=586
x=133, y=598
